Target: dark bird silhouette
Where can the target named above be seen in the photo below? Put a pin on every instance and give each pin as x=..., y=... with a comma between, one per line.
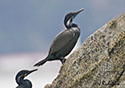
x=65, y=41
x=24, y=83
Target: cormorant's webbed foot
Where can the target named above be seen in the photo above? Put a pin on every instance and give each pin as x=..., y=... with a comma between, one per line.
x=62, y=59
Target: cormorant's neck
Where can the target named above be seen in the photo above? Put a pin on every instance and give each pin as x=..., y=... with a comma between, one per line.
x=25, y=82
x=74, y=25
x=71, y=25
x=19, y=80
x=68, y=23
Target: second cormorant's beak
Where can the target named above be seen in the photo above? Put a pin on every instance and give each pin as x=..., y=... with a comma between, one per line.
x=76, y=13
x=30, y=72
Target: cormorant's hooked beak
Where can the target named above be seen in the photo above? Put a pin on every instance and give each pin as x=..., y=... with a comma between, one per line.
x=76, y=13
x=30, y=72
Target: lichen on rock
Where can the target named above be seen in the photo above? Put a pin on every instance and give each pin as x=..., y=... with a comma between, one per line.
x=99, y=62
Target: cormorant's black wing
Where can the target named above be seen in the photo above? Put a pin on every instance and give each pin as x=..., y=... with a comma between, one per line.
x=61, y=40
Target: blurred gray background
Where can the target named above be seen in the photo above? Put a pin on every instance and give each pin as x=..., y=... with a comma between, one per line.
x=27, y=28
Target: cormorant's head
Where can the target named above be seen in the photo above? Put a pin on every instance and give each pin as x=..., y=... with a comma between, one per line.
x=69, y=18
x=23, y=73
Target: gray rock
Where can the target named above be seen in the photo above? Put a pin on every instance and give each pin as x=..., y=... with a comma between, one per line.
x=99, y=62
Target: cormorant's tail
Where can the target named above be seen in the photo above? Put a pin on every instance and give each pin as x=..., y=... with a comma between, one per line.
x=41, y=62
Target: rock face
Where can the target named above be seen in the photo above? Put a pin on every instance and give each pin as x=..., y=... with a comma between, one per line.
x=99, y=62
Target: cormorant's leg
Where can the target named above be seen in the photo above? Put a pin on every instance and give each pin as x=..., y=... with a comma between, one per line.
x=62, y=59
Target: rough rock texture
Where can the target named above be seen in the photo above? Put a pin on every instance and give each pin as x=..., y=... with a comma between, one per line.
x=99, y=62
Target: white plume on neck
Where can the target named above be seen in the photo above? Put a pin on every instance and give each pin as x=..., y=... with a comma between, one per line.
x=69, y=22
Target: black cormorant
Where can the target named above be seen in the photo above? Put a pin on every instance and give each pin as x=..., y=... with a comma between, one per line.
x=24, y=83
x=64, y=41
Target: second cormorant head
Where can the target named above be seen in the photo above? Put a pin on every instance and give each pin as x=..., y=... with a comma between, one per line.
x=69, y=18
x=24, y=83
